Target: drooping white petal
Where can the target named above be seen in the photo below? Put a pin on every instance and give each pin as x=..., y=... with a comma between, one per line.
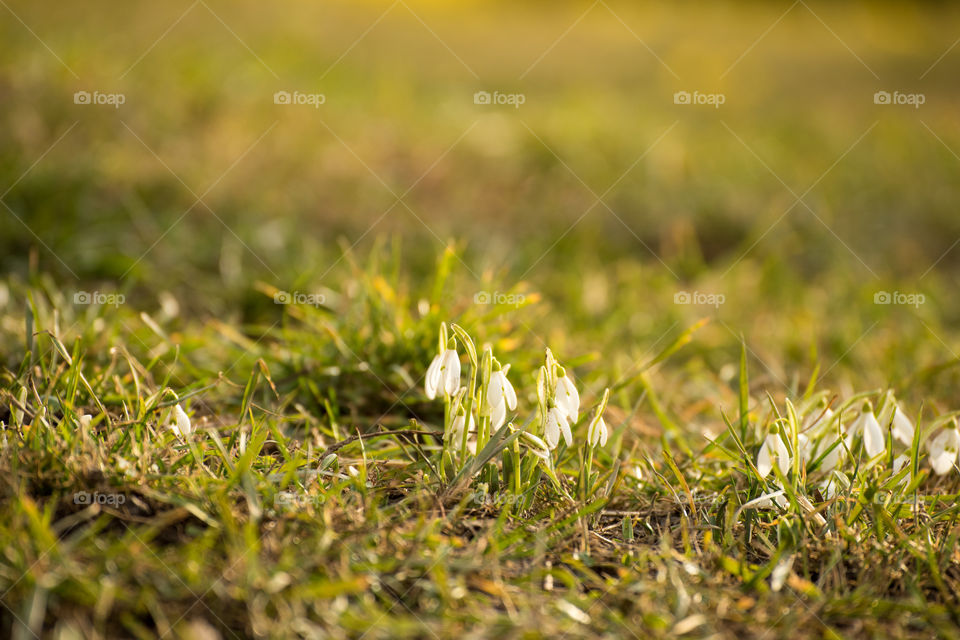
x=830, y=461
x=508, y=392
x=783, y=456
x=767, y=501
x=829, y=487
x=817, y=421
x=450, y=376
x=498, y=417
x=943, y=450
x=500, y=390
x=551, y=432
x=557, y=424
x=598, y=433
x=773, y=450
x=899, y=463
x=764, y=462
x=565, y=429
x=495, y=388
x=853, y=429
x=902, y=427
x=805, y=447
x=567, y=398
x=593, y=434
x=873, y=440
x=432, y=381
x=182, y=426
x=456, y=430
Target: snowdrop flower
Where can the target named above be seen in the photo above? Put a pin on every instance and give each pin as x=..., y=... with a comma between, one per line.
x=773, y=450
x=567, y=399
x=498, y=416
x=943, y=449
x=767, y=501
x=182, y=425
x=456, y=430
x=902, y=426
x=821, y=433
x=831, y=486
x=805, y=448
x=444, y=372
x=597, y=434
x=124, y=465
x=500, y=391
x=898, y=463
x=500, y=396
x=557, y=422
x=821, y=418
x=832, y=459
x=867, y=425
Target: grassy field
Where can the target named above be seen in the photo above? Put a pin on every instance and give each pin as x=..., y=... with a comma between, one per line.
x=234, y=237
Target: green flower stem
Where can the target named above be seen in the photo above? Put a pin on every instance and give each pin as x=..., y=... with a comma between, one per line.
x=586, y=470
x=468, y=406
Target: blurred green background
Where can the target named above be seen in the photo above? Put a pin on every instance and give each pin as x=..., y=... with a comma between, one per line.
x=797, y=199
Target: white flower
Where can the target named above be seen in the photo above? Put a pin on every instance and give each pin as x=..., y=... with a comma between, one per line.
x=805, y=448
x=902, y=426
x=830, y=461
x=818, y=421
x=597, y=433
x=567, y=399
x=498, y=416
x=867, y=425
x=773, y=450
x=767, y=500
x=456, y=430
x=443, y=374
x=898, y=463
x=557, y=423
x=500, y=390
x=943, y=449
x=182, y=426
x=820, y=434
x=832, y=485
x=124, y=465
